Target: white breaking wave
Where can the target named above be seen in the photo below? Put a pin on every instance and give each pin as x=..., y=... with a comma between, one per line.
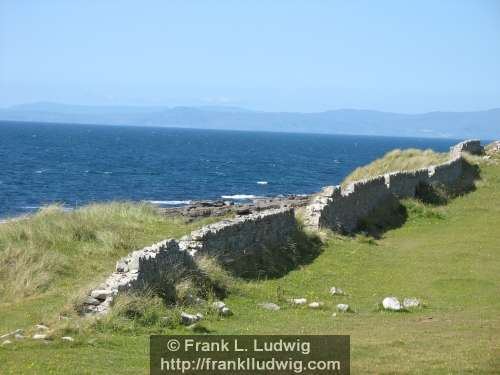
x=239, y=196
x=170, y=203
x=262, y=182
x=41, y=171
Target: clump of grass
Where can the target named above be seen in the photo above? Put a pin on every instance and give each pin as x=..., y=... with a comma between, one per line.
x=138, y=312
x=397, y=160
x=417, y=210
x=491, y=150
x=217, y=281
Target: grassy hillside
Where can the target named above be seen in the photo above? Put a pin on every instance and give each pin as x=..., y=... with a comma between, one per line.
x=449, y=256
x=397, y=160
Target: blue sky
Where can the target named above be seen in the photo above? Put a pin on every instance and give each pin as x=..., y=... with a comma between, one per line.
x=401, y=56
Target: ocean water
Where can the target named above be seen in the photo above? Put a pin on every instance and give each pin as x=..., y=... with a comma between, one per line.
x=78, y=164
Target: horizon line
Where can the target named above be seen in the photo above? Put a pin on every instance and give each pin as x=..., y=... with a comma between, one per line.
x=229, y=107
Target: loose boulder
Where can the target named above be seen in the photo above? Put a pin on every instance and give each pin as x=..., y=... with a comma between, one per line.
x=410, y=303
x=315, y=305
x=188, y=319
x=343, y=307
x=391, y=304
x=334, y=291
x=225, y=311
x=218, y=305
x=269, y=306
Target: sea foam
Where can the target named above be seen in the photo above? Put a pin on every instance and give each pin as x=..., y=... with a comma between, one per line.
x=170, y=203
x=239, y=196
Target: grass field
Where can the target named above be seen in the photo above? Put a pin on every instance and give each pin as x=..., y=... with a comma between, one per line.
x=449, y=256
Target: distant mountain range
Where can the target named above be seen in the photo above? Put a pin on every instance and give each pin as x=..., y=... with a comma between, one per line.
x=479, y=124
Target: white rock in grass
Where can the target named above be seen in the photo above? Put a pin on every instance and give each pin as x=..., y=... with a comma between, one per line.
x=39, y=336
x=343, y=307
x=409, y=303
x=334, y=291
x=225, y=311
x=6, y=342
x=315, y=305
x=41, y=327
x=67, y=338
x=188, y=319
x=19, y=336
x=392, y=304
x=269, y=306
x=298, y=301
x=218, y=305
x=18, y=331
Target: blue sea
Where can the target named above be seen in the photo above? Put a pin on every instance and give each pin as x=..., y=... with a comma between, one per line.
x=77, y=164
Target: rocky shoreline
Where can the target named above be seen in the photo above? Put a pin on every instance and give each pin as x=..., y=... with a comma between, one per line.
x=215, y=208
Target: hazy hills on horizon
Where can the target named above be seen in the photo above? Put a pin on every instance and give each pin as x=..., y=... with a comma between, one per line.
x=477, y=124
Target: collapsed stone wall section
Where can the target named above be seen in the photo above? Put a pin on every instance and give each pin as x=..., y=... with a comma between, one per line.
x=149, y=268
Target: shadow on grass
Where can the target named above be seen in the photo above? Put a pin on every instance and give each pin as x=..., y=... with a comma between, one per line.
x=390, y=216
x=268, y=263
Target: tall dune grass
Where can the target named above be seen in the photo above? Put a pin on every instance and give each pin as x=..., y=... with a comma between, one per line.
x=55, y=248
x=397, y=160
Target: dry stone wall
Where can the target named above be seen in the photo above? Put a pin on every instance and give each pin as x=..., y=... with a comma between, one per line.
x=240, y=243
x=235, y=243
x=158, y=267
x=343, y=209
x=404, y=184
x=472, y=146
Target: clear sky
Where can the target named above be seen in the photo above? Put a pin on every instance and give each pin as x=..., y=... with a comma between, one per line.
x=400, y=56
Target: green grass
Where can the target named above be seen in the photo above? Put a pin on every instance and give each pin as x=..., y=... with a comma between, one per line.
x=397, y=160
x=51, y=257
x=449, y=256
